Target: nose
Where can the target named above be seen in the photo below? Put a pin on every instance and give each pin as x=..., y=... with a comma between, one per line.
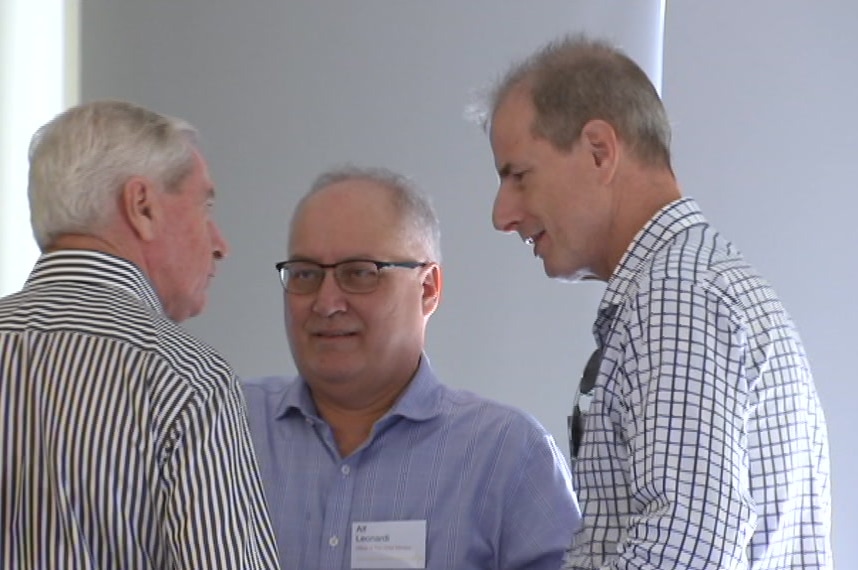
x=504, y=213
x=330, y=299
x=220, y=248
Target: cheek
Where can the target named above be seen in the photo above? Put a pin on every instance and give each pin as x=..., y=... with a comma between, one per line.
x=294, y=314
x=399, y=314
x=195, y=232
x=293, y=311
x=560, y=206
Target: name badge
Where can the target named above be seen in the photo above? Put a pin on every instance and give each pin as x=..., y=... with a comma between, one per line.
x=389, y=544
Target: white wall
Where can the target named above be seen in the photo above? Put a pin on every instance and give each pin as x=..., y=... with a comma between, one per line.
x=38, y=79
x=762, y=97
x=284, y=89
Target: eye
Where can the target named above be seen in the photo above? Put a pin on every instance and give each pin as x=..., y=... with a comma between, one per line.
x=360, y=271
x=518, y=175
x=303, y=273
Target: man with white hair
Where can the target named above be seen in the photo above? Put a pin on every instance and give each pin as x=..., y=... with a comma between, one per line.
x=124, y=440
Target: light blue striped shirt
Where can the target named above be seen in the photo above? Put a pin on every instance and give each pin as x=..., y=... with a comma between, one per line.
x=488, y=480
x=123, y=440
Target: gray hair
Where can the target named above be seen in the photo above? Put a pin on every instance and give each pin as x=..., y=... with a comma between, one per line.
x=574, y=80
x=417, y=214
x=80, y=160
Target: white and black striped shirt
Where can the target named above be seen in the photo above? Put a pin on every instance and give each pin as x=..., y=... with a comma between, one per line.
x=124, y=440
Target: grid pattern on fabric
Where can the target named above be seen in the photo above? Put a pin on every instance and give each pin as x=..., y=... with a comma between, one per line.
x=705, y=444
x=123, y=441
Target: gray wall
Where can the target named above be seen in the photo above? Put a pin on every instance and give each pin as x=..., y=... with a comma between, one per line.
x=762, y=97
x=759, y=95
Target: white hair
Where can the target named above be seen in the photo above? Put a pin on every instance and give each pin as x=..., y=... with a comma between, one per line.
x=80, y=160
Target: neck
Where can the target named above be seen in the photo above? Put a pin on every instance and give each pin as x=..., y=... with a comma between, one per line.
x=352, y=410
x=639, y=195
x=106, y=243
x=351, y=427
x=79, y=241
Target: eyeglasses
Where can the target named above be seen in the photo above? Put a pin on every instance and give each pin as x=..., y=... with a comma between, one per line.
x=582, y=402
x=353, y=275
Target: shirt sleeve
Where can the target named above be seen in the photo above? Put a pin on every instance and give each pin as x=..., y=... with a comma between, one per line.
x=685, y=406
x=540, y=511
x=216, y=515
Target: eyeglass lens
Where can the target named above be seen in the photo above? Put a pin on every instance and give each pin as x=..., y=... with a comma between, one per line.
x=353, y=276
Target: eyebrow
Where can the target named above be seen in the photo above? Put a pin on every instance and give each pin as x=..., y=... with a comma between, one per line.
x=299, y=257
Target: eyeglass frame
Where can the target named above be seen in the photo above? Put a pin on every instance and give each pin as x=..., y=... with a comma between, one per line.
x=379, y=265
x=585, y=388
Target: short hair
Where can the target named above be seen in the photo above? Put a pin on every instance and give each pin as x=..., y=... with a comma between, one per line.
x=576, y=79
x=80, y=160
x=417, y=215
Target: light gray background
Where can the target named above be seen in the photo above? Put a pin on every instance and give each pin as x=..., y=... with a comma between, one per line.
x=762, y=98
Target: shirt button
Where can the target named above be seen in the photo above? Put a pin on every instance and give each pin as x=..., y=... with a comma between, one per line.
x=345, y=469
x=333, y=541
x=309, y=421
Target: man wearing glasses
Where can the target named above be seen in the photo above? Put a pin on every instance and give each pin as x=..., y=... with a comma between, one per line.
x=367, y=459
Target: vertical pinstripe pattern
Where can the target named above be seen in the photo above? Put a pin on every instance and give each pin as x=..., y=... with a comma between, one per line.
x=488, y=480
x=705, y=444
x=124, y=440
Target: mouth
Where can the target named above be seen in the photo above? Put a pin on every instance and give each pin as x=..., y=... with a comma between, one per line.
x=333, y=334
x=533, y=241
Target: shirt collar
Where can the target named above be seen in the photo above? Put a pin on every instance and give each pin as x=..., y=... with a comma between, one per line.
x=420, y=401
x=663, y=227
x=96, y=267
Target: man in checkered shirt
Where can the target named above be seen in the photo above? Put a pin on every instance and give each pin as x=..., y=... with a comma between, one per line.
x=698, y=437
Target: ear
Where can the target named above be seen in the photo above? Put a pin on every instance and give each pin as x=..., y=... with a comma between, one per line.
x=141, y=207
x=600, y=140
x=432, y=281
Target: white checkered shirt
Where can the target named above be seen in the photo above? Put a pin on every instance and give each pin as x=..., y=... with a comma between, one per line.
x=704, y=445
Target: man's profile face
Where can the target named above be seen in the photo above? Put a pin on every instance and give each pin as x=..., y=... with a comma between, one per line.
x=546, y=195
x=190, y=244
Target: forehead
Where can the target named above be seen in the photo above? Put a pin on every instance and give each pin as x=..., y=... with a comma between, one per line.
x=345, y=219
x=198, y=178
x=201, y=166
x=512, y=120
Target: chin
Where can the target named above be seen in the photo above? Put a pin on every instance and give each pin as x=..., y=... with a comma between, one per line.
x=560, y=273
x=194, y=305
x=182, y=314
x=566, y=274
x=330, y=369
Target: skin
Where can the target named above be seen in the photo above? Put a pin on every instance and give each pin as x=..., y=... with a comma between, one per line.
x=182, y=260
x=171, y=236
x=358, y=352
x=582, y=207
